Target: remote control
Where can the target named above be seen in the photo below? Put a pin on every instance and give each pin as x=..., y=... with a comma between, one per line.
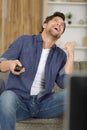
x=18, y=68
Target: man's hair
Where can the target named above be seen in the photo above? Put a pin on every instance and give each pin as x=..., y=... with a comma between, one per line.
x=59, y=14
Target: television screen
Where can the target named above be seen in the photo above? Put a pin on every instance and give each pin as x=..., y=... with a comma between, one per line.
x=76, y=103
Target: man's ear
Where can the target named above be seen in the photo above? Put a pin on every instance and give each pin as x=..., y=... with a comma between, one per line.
x=44, y=25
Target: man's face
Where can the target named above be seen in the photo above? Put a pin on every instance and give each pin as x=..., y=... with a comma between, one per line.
x=54, y=27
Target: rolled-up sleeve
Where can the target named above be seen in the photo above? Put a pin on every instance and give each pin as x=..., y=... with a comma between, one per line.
x=60, y=78
x=2, y=58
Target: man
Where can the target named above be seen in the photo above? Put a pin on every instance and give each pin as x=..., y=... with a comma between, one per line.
x=28, y=92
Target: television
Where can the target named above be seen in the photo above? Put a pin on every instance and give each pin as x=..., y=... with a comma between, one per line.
x=76, y=102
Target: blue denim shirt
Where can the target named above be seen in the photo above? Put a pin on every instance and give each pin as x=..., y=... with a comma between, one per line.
x=27, y=49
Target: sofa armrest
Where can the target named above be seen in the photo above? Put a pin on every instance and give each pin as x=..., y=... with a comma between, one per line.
x=2, y=85
x=4, y=75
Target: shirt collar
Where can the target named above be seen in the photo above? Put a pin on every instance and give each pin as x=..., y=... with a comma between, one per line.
x=39, y=38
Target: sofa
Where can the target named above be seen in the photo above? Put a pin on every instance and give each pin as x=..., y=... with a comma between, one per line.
x=50, y=124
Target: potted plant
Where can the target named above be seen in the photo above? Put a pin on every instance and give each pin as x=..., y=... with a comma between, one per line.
x=69, y=17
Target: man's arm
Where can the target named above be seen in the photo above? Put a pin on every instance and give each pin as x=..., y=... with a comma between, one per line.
x=4, y=65
x=69, y=66
x=9, y=65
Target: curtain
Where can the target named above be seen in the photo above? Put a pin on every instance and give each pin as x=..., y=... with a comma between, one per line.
x=18, y=17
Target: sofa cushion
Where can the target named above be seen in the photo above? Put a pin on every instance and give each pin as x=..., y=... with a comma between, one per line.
x=80, y=66
x=83, y=65
x=41, y=124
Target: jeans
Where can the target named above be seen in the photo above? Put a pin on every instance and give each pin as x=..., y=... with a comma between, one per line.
x=12, y=109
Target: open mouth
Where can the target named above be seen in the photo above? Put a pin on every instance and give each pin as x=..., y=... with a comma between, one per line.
x=56, y=29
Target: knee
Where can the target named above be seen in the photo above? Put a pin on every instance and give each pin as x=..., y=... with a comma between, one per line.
x=8, y=101
x=60, y=97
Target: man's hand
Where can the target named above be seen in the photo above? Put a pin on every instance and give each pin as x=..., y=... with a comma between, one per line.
x=69, y=47
x=13, y=65
x=9, y=65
